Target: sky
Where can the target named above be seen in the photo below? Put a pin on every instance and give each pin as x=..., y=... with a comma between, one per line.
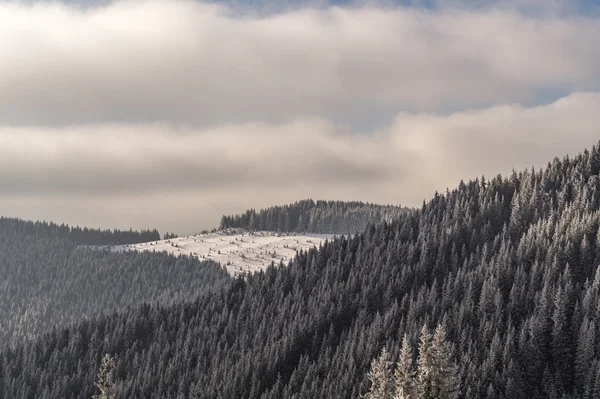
x=170, y=113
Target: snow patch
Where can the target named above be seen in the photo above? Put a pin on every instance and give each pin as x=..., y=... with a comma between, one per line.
x=239, y=251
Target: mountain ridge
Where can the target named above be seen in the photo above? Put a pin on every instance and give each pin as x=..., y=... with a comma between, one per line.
x=508, y=266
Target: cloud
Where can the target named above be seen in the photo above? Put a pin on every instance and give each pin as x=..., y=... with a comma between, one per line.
x=108, y=160
x=183, y=178
x=156, y=113
x=205, y=64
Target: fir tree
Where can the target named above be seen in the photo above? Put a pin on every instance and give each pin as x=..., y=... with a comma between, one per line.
x=425, y=365
x=404, y=376
x=106, y=379
x=444, y=374
x=381, y=377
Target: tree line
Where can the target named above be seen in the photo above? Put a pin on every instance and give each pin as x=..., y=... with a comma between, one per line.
x=79, y=235
x=327, y=217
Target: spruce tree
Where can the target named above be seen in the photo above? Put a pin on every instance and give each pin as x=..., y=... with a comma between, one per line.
x=585, y=353
x=381, y=377
x=106, y=379
x=404, y=376
x=437, y=373
x=446, y=385
x=425, y=365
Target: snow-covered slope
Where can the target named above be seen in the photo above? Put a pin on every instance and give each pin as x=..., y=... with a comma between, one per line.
x=238, y=250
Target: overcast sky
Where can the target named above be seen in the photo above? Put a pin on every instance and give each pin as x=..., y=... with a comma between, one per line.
x=170, y=113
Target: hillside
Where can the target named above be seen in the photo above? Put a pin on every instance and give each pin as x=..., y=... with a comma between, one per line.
x=47, y=281
x=79, y=235
x=509, y=266
x=324, y=217
x=237, y=250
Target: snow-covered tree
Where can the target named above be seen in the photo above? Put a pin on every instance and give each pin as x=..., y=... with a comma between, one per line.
x=404, y=376
x=444, y=373
x=106, y=379
x=425, y=365
x=437, y=374
x=381, y=377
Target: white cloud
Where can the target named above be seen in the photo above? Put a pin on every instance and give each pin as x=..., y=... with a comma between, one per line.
x=183, y=178
x=203, y=64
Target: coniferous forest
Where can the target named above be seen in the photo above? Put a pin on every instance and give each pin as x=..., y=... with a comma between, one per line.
x=324, y=217
x=79, y=235
x=47, y=280
x=496, y=282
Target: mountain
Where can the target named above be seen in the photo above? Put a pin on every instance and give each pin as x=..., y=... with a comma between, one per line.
x=48, y=280
x=507, y=266
x=325, y=217
x=237, y=250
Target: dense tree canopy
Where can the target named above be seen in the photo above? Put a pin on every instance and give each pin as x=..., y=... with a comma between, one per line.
x=327, y=217
x=48, y=281
x=507, y=266
x=79, y=235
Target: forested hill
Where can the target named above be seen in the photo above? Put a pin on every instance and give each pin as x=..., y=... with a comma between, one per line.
x=326, y=217
x=47, y=281
x=79, y=235
x=508, y=266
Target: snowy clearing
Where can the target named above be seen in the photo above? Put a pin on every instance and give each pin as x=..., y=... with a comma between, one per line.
x=238, y=250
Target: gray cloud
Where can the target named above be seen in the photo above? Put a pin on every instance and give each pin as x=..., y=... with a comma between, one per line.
x=205, y=65
x=109, y=160
x=156, y=113
x=184, y=178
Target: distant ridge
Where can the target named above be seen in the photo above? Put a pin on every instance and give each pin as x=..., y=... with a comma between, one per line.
x=322, y=217
x=79, y=235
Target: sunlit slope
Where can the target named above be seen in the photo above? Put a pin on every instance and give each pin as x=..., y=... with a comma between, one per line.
x=238, y=250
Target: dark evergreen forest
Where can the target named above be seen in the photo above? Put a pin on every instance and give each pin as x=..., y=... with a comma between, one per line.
x=506, y=266
x=79, y=235
x=324, y=217
x=48, y=281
